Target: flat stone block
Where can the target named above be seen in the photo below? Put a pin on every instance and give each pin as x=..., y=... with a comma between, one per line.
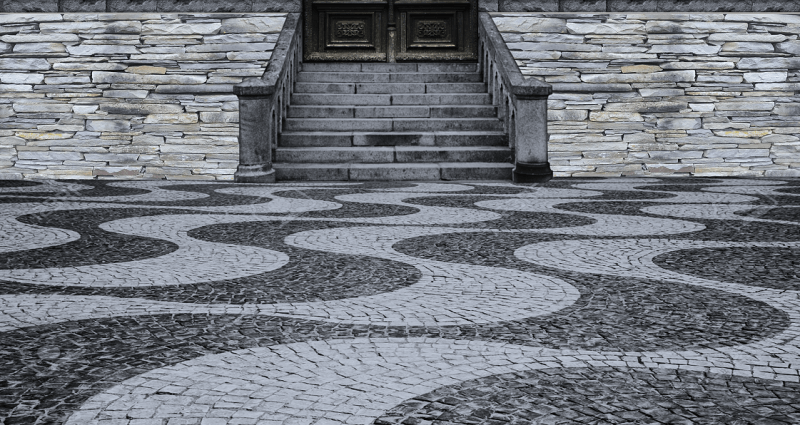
x=310, y=111
x=455, y=88
x=393, y=139
x=342, y=77
x=330, y=67
x=314, y=172
x=132, y=5
x=528, y=6
x=478, y=111
x=27, y=64
x=440, y=99
x=392, y=111
x=286, y=6
x=327, y=124
x=583, y=5
x=335, y=155
x=447, y=124
x=453, y=154
x=470, y=139
x=251, y=24
x=334, y=88
x=388, y=67
x=447, y=67
x=528, y=24
x=476, y=171
x=93, y=27
x=361, y=172
x=219, y=117
x=434, y=78
x=83, y=5
x=343, y=99
x=24, y=6
x=390, y=88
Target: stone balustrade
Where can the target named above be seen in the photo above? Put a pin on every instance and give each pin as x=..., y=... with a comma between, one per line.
x=521, y=104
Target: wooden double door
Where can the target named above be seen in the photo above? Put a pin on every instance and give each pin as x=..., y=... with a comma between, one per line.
x=390, y=30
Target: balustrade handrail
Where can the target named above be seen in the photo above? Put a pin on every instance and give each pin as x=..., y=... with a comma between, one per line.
x=277, y=66
x=507, y=66
x=521, y=104
x=263, y=104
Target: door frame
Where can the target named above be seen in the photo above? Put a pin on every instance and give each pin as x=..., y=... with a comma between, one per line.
x=390, y=30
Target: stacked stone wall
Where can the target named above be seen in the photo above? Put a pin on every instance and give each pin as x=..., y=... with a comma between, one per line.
x=692, y=94
x=126, y=95
x=288, y=6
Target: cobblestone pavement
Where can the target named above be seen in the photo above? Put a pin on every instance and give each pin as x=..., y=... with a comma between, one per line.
x=581, y=301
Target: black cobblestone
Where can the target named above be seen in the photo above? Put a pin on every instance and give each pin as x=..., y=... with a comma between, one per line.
x=603, y=396
x=49, y=371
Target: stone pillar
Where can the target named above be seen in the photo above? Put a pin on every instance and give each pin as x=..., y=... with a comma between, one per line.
x=530, y=134
x=255, y=140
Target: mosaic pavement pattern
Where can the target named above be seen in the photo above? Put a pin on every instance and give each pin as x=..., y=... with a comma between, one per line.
x=580, y=301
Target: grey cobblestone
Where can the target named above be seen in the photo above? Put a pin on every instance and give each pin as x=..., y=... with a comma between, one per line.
x=520, y=303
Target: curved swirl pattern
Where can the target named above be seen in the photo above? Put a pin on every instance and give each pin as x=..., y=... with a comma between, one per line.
x=429, y=349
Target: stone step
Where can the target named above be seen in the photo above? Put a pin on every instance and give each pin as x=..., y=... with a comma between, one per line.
x=391, y=99
x=394, y=171
x=388, y=67
x=386, y=77
x=389, y=88
x=439, y=138
x=436, y=111
x=395, y=124
x=392, y=154
x=332, y=88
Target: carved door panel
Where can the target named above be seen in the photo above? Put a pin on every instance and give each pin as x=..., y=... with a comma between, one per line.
x=390, y=30
x=437, y=30
x=345, y=30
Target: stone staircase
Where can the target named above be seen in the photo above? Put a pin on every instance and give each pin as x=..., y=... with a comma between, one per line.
x=381, y=121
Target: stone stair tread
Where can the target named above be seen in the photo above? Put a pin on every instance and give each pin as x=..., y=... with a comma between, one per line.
x=452, y=148
x=393, y=138
x=386, y=106
x=389, y=165
x=389, y=72
x=393, y=148
x=403, y=121
x=394, y=171
x=388, y=77
x=393, y=124
x=394, y=119
x=443, y=133
x=390, y=88
x=388, y=67
x=352, y=99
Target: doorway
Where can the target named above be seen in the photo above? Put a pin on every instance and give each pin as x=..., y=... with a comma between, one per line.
x=390, y=30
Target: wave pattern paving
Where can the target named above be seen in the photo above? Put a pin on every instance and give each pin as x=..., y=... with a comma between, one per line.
x=490, y=313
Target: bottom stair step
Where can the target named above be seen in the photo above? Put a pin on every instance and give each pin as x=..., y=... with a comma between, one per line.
x=394, y=171
x=355, y=138
x=380, y=154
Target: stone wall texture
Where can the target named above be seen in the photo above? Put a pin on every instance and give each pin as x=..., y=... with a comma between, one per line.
x=126, y=95
x=638, y=94
x=259, y=6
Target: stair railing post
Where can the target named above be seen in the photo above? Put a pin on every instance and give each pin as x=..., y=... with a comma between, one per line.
x=526, y=115
x=255, y=144
x=530, y=144
x=262, y=106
